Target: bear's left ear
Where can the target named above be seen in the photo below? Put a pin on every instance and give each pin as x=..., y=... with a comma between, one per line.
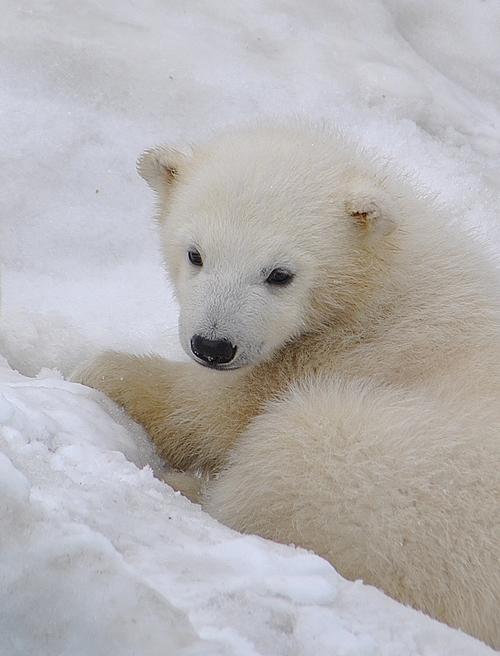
x=161, y=167
x=371, y=214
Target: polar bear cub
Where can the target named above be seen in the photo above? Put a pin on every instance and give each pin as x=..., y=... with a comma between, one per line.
x=343, y=392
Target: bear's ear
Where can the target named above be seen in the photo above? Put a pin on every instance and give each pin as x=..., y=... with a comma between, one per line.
x=372, y=215
x=160, y=167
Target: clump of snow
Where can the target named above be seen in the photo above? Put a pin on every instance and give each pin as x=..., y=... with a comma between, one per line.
x=97, y=556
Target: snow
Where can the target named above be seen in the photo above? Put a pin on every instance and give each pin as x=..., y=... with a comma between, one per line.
x=97, y=555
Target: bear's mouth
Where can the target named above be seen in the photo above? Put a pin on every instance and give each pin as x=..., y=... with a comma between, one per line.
x=218, y=367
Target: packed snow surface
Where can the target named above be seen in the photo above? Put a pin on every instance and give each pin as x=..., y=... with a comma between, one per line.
x=97, y=556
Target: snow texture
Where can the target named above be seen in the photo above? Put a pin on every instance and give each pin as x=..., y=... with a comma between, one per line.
x=97, y=556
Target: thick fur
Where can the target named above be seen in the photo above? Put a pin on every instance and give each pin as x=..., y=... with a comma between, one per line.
x=360, y=415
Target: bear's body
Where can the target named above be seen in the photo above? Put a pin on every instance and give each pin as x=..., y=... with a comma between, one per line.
x=349, y=400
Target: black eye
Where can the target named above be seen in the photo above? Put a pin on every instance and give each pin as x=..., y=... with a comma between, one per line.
x=195, y=257
x=279, y=277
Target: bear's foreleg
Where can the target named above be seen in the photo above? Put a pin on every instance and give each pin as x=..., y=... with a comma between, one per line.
x=187, y=410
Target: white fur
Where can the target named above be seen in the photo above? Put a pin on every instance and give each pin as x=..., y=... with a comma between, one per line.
x=360, y=416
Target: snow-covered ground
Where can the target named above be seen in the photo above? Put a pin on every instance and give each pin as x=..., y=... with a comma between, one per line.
x=98, y=557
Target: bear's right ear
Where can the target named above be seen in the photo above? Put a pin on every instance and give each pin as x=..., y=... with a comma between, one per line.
x=372, y=214
x=161, y=167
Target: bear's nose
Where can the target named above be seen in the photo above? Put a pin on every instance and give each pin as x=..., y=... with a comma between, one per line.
x=213, y=351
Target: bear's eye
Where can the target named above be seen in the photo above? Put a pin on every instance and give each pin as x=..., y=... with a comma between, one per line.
x=195, y=257
x=279, y=277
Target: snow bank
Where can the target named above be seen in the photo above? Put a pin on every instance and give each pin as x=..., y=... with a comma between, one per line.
x=99, y=557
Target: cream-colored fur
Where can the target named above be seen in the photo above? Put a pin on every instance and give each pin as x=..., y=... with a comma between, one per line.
x=360, y=413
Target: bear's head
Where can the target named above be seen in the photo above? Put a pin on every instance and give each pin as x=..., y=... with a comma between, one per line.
x=267, y=233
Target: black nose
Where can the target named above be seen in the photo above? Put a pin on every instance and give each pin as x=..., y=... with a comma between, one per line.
x=213, y=351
